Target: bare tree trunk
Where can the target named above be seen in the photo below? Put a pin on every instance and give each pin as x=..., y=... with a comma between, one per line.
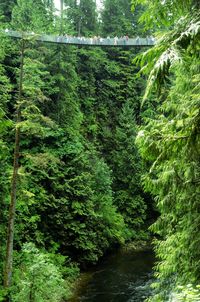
x=61, y=17
x=12, y=209
x=79, y=27
x=59, y=50
x=32, y=292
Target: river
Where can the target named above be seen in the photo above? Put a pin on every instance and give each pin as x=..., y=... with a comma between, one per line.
x=124, y=276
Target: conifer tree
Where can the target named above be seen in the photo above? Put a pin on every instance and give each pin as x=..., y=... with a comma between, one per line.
x=126, y=166
x=117, y=18
x=5, y=127
x=14, y=183
x=83, y=15
x=170, y=143
x=6, y=10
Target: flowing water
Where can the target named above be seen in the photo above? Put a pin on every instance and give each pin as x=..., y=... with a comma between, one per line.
x=122, y=277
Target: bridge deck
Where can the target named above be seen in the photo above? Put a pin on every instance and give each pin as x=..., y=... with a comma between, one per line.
x=114, y=42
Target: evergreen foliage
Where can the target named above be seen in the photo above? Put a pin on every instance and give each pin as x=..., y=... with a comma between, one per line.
x=170, y=141
x=118, y=20
x=37, y=278
x=83, y=15
x=127, y=171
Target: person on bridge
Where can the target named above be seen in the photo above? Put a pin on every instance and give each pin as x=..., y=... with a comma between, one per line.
x=108, y=39
x=137, y=40
x=115, y=40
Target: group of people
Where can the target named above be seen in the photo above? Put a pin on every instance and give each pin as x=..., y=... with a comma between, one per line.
x=92, y=40
x=97, y=40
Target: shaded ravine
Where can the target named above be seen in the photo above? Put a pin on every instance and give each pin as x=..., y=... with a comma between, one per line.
x=122, y=277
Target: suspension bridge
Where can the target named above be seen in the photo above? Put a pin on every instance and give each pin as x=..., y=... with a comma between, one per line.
x=91, y=41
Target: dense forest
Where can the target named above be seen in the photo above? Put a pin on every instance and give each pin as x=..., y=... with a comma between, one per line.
x=99, y=146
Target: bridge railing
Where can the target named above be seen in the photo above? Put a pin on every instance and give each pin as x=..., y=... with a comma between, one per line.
x=92, y=41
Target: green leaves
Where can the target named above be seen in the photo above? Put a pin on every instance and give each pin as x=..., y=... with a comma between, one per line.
x=117, y=19
x=168, y=53
x=37, y=278
x=25, y=18
x=163, y=14
x=187, y=293
x=126, y=173
x=169, y=142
